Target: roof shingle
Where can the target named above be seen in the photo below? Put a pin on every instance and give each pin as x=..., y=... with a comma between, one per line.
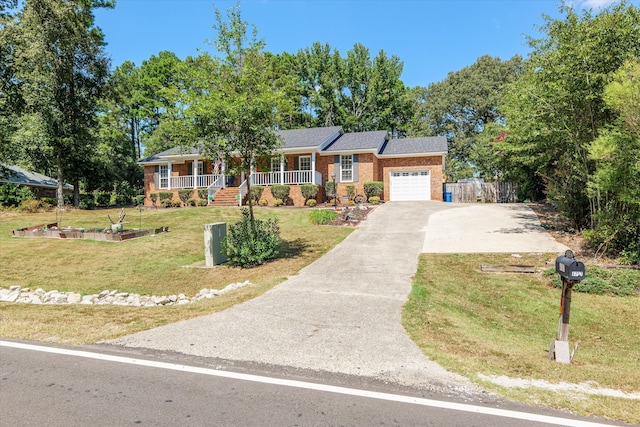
x=408, y=146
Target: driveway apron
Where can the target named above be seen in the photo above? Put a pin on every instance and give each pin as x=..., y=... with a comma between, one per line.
x=341, y=314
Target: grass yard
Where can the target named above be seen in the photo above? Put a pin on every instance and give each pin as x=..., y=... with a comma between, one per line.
x=148, y=265
x=502, y=324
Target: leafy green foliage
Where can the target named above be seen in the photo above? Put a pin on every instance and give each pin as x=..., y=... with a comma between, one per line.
x=280, y=191
x=30, y=206
x=251, y=243
x=311, y=202
x=102, y=198
x=374, y=200
x=165, y=195
x=203, y=193
x=556, y=110
x=373, y=188
x=277, y=203
x=309, y=191
x=14, y=194
x=185, y=195
x=322, y=216
x=256, y=192
x=600, y=281
x=330, y=188
x=154, y=198
x=87, y=201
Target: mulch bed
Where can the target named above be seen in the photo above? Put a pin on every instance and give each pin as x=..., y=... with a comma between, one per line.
x=350, y=216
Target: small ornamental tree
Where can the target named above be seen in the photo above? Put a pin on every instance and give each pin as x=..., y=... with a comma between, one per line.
x=309, y=191
x=373, y=188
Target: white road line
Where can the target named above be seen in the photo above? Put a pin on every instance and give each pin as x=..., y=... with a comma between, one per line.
x=309, y=386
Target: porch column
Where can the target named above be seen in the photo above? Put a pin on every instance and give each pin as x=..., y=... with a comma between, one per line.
x=313, y=167
x=223, y=171
x=195, y=174
x=282, y=170
x=169, y=173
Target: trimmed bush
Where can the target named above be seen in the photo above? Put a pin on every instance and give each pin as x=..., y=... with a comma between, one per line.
x=262, y=202
x=184, y=195
x=281, y=192
x=374, y=200
x=154, y=198
x=247, y=249
x=311, y=203
x=309, y=191
x=330, y=188
x=203, y=193
x=278, y=202
x=191, y=202
x=165, y=195
x=139, y=200
x=256, y=193
x=373, y=188
x=322, y=216
x=351, y=192
x=120, y=199
x=202, y=202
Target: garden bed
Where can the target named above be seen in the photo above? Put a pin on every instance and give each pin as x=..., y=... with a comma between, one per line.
x=53, y=231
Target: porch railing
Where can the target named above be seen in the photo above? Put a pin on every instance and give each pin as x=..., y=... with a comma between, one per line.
x=202, y=181
x=286, y=177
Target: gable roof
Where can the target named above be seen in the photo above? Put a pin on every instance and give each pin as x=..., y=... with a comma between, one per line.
x=358, y=141
x=309, y=137
x=399, y=147
x=20, y=176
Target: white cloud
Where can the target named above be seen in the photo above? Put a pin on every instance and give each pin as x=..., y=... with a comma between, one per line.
x=595, y=4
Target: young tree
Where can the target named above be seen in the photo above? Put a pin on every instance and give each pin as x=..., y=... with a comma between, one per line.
x=232, y=104
x=61, y=67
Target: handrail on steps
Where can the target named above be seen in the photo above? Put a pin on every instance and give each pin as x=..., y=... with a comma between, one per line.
x=242, y=188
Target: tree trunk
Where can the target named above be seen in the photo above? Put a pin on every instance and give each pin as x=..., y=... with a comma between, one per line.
x=76, y=192
x=60, y=178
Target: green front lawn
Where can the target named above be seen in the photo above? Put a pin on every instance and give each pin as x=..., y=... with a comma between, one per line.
x=148, y=265
x=497, y=324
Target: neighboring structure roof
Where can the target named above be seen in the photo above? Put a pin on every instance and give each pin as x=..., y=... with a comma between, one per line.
x=414, y=146
x=309, y=137
x=358, y=141
x=17, y=175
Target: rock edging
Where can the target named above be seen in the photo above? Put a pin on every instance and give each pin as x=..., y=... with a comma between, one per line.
x=19, y=294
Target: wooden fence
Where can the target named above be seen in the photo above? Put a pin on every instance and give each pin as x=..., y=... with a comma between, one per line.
x=486, y=192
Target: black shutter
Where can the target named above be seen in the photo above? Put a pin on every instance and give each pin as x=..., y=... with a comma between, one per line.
x=189, y=168
x=296, y=163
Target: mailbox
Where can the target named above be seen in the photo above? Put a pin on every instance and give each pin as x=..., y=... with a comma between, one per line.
x=569, y=268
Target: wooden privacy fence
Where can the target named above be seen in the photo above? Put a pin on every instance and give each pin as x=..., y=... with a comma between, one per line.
x=486, y=192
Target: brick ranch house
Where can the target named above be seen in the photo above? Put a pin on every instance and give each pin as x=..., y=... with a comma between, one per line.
x=411, y=168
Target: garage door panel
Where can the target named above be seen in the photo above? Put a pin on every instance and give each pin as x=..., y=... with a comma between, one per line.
x=410, y=185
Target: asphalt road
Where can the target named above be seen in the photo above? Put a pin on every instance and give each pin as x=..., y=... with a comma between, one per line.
x=101, y=387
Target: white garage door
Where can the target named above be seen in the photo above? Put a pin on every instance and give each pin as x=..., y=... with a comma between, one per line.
x=410, y=185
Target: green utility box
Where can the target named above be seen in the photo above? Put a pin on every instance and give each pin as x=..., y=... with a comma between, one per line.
x=214, y=235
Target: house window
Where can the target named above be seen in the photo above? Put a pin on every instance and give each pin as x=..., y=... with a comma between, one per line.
x=275, y=164
x=346, y=168
x=304, y=163
x=164, y=176
x=200, y=165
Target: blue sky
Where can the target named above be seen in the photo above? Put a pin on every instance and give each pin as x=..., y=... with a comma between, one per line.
x=431, y=37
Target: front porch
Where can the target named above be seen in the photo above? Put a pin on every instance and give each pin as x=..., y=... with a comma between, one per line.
x=297, y=177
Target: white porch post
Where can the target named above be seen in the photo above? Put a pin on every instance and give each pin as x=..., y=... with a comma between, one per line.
x=169, y=172
x=282, y=170
x=223, y=171
x=195, y=174
x=313, y=167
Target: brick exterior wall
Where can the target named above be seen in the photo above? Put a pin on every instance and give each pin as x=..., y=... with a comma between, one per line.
x=433, y=163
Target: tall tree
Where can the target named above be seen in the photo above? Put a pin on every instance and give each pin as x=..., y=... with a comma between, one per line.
x=556, y=110
x=233, y=105
x=61, y=66
x=462, y=105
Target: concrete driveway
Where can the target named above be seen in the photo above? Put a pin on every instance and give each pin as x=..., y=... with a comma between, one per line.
x=488, y=228
x=341, y=314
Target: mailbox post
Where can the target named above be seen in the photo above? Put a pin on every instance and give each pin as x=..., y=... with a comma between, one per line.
x=570, y=272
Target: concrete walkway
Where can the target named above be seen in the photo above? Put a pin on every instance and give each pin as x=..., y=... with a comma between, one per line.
x=341, y=314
